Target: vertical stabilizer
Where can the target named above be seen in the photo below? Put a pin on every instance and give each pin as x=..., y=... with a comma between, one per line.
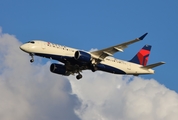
x=142, y=56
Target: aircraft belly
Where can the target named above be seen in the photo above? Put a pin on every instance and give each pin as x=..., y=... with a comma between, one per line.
x=111, y=68
x=122, y=68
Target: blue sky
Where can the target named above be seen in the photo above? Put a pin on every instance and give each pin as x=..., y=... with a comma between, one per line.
x=99, y=24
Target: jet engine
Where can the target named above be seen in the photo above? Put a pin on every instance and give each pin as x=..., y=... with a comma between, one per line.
x=82, y=56
x=58, y=69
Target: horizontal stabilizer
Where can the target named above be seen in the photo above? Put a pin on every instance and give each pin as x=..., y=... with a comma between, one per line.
x=153, y=65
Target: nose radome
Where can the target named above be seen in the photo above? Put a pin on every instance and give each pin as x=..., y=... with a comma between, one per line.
x=21, y=47
x=24, y=47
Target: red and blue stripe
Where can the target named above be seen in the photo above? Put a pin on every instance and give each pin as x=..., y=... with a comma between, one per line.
x=142, y=56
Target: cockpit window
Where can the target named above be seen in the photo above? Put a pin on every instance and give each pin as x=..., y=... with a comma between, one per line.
x=31, y=42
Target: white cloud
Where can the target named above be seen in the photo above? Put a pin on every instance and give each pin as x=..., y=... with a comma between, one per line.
x=102, y=99
x=93, y=49
x=29, y=91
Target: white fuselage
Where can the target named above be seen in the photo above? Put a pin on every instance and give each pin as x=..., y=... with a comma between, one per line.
x=46, y=49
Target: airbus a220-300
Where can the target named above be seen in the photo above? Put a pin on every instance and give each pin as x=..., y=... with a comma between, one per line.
x=75, y=60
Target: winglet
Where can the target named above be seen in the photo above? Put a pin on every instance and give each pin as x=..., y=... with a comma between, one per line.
x=143, y=36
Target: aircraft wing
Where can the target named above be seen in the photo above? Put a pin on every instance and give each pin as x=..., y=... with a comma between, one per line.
x=101, y=54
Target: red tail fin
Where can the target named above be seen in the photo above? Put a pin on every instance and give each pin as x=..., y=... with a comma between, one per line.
x=142, y=56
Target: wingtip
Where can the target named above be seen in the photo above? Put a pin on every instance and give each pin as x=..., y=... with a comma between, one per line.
x=163, y=62
x=143, y=36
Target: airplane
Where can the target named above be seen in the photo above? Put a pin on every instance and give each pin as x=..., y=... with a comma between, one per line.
x=74, y=61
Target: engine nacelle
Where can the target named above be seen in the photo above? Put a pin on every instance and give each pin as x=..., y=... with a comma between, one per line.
x=82, y=56
x=58, y=69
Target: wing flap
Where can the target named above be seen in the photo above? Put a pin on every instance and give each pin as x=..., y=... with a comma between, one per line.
x=118, y=49
x=107, y=53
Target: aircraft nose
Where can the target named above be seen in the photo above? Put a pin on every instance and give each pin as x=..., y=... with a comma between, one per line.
x=21, y=47
x=24, y=47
